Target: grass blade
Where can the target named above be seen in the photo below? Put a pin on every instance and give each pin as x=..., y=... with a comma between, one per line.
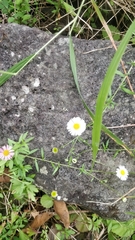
x=106, y=86
x=105, y=130
x=20, y=65
x=14, y=70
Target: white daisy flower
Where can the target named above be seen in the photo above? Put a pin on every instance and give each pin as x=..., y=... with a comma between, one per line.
x=76, y=126
x=122, y=173
x=6, y=152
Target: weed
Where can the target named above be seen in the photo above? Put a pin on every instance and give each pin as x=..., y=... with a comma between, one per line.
x=18, y=11
x=63, y=233
x=57, y=6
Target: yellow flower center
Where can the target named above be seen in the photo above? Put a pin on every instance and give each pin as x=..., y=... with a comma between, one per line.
x=55, y=150
x=6, y=152
x=54, y=194
x=76, y=126
x=122, y=172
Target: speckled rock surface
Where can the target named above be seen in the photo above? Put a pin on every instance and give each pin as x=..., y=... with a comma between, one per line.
x=42, y=99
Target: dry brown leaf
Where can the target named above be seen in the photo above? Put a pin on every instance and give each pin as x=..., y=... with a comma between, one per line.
x=40, y=220
x=5, y=178
x=34, y=213
x=61, y=209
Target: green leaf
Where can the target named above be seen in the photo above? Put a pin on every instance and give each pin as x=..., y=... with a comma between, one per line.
x=122, y=229
x=106, y=85
x=33, y=151
x=42, y=153
x=69, y=9
x=3, y=5
x=133, y=237
x=32, y=188
x=26, y=17
x=120, y=74
x=36, y=165
x=18, y=2
x=111, y=236
x=31, y=195
x=11, y=20
x=14, y=216
x=58, y=227
x=2, y=163
x=83, y=223
x=115, y=33
x=23, y=137
x=18, y=187
x=128, y=91
x=10, y=164
x=73, y=217
x=1, y=195
x=46, y=201
x=23, y=236
x=17, y=67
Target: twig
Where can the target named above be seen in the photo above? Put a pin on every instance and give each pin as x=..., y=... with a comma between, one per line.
x=113, y=203
x=122, y=126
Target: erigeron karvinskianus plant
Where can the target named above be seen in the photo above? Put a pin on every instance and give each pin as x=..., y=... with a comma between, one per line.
x=12, y=157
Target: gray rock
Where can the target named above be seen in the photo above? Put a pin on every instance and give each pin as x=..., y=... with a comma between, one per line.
x=42, y=98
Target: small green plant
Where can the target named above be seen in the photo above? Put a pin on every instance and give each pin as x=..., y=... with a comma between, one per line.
x=120, y=229
x=21, y=187
x=115, y=33
x=105, y=145
x=63, y=233
x=11, y=225
x=22, y=182
x=57, y=6
x=18, y=11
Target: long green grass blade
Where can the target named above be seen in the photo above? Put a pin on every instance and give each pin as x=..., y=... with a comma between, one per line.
x=74, y=71
x=104, y=90
x=14, y=69
x=20, y=65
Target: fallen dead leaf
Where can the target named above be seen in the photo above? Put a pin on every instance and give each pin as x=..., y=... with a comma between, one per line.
x=4, y=178
x=61, y=209
x=34, y=213
x=40, y=220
